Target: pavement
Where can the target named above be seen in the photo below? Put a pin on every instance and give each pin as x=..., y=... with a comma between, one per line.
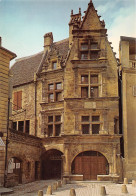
x=84, y=188
x=5, y=190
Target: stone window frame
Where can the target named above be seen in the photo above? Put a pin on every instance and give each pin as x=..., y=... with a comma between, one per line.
x=24, y=126
x=54, y=91
x=86, y=53
x=54, y=123
x=54, y=62
x=90, y=123
x=90, y=85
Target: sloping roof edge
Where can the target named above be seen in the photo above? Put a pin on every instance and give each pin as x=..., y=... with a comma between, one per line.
x=11, y=53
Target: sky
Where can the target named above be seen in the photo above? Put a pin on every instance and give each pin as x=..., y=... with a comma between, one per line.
x=23, y=23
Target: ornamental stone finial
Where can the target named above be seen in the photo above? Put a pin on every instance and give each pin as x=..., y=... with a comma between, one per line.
x=71, y=12
x=79, y=10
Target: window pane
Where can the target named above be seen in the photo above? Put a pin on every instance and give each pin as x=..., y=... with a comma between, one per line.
x=21, y=126
x=57, y=118
x=50, y=130
x=85, y=118
x=85, y=129
x=54, y=65
x=50, y=87
x=84, y=92
x=51, y=97
x=94, y=55
x=58, y=96
x=95, y=118
x=84, y=46
x=84, y=79
x=94, y=92
x=58, y=86
x=14, y=125
x=84, y=56
x=94, y=46
x=57, y=130
x=50, y=119
x=95, y=128
x=115, y=125
x=94, y=79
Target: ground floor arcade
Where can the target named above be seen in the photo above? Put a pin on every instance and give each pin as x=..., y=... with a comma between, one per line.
x=84, y=158
x=69, y=157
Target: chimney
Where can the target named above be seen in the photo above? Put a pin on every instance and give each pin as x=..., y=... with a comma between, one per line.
x=48, y=41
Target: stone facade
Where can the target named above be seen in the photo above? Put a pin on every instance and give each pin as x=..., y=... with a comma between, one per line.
x=5, y=57
x=70, y=101
x=128, y=80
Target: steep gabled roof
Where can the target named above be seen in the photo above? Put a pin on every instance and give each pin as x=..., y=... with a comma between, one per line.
x=91, y=18
x=62, y=47
x=23, y=70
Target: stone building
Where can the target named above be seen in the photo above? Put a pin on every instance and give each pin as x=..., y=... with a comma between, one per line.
x=127, y=51
x=5, y=57
x=65, y=99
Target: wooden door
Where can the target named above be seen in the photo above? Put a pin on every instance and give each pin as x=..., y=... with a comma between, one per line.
x=90, y=166
x=78, y=165
x=101, y=163
x=86, y=167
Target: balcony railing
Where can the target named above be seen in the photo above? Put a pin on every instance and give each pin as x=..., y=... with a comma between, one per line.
x=132, y=63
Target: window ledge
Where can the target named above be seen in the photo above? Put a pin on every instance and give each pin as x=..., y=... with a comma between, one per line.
x=96, y=64
x=49, y=103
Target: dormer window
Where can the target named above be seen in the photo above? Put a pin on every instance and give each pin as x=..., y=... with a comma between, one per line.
x=54, y=65
x=94, y=46
x=89, y=50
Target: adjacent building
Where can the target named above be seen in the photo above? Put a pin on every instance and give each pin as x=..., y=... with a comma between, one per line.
x=127, y=51
x=5, y=57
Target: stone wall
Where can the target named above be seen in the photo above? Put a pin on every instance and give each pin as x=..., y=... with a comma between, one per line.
x=128, y=85
x=5, y=57
x=28, y=152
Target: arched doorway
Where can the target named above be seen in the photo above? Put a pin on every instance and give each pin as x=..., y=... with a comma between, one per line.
x=52, y=164
x=90, y=164
x=14, y=169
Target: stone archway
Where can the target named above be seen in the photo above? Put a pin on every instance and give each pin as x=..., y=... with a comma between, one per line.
x=90, y=164
x=52, y=164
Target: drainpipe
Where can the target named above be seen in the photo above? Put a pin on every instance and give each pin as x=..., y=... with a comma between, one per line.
x=35, y=104
x=6, y=152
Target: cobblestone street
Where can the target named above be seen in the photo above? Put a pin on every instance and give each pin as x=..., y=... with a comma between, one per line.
x=81, y=188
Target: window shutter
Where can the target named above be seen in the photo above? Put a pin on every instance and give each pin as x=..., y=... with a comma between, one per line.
x=15, y=101
x=19, y=99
